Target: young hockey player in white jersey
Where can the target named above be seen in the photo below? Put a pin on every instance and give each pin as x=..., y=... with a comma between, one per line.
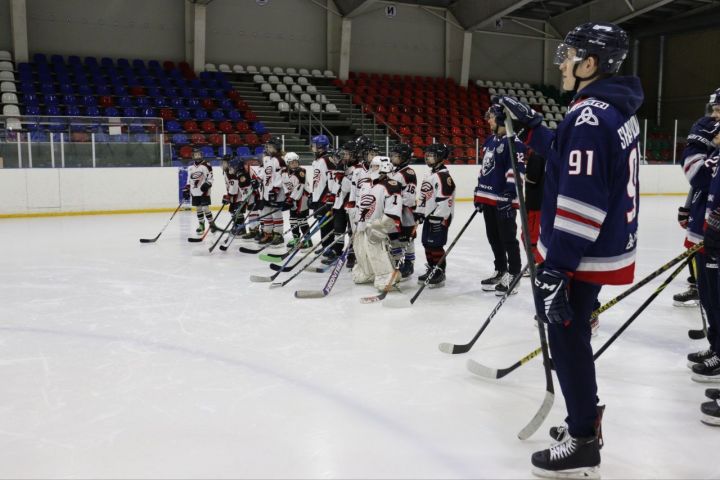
x=436, y=208
x=199, y=182
x=379, y=211
x=321, y=199
x=273, y=192
x=233, y=170
x=252, y=183
x=400, y=155
x=297, y=199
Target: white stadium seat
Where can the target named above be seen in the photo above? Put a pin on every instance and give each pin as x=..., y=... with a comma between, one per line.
x=305, y=98
x=296, y=89
x=303, y=81
x=252, y=69
x=304, y=72
x=258, y=79
x=280, y=88
x=238, y=69
x=278, y=71
x=6, y=76
x=265, y=70
x=210, y=67
x=11, y=110
x=311, y=89
x=275, y=97
x=7, y=66
x=287, y=80
x=273, y=79
x=328, y=74
x=284, y=107
x=291, y=71
x=5, y=56
x=266, y=88
x=224, y=67
x=315, y=107
x=8, y=87
x=331, y=108
x=9, y=98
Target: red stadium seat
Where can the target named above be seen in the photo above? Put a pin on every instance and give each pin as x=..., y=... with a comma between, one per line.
x=225, y=127
x=208, y=126
x=242, y=127
x=215, y=139
x=252, y=139
x=234, y=139
x=186, y=152
x=197, y=139
x=191, y=126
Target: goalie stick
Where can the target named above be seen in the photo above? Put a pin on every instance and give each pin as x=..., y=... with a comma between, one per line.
x=331, y=281
x=153, y=240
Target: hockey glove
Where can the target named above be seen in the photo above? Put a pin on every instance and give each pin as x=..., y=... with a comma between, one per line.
x=186, y=192
x=272, y=196
x=259, y=204
x=520, y=111
x=712, y=234
x=683, y=217
x=226, y=199
x=476, y=201
x=419, y=217
x=205, y=187
x=286, y=205
x=255, y=184
x=505, y=208
x=551, y=297
x=435, y=224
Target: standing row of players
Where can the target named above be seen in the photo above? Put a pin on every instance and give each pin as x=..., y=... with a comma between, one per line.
x=354, y=191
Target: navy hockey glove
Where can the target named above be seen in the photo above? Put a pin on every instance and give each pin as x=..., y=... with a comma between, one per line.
x=226, y=199
x=435, y=224
x=419, y=217
x=205, y=187
x=712, y=235
x=551, y=297
x=505, y=208
x=259, y=204
x=476, y=201
x=520, y=111
x=683, y=217
x=186, y=192
x=272, y=196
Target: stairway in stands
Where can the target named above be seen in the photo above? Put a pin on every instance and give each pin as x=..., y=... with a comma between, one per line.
x=275, y=121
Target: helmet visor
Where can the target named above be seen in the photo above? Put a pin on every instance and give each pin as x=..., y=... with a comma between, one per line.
x=567, y=52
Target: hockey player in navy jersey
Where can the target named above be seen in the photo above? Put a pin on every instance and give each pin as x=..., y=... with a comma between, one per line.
x=496, y=198
x=711, y=410
x=700, y=164
x=589, y=224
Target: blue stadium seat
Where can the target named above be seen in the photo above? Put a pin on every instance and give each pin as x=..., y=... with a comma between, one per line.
x=186, y=92
x=142, y=138
x=52, y=110
x=243, y=152
x=154, y=65
x=201, y=114
x=123, y=63
x=173, y=127
x=183, y=114
x=207, y=151
x=171, y=92
x=27, y=88
x=153, y=92
x=226, y=104
x=136, y=128
x=73, y=111
x=203, y=92
x=66, y=89
x=148, y=112
x=104, y=90
x=142, y=101
x=32, y=110
x=90, y=61
x=129, y=112
x=89, y=101
x=112, y=112
x=161, y=102
x=47, y=88
x=74, y=60
x=180, y=139
x=120, y=90
x=106, y=62
x=39, y=137
x=259, y=150
x=102, y=137
x=218, y=115
x=93, y=111
x=235, y=115
x=30, y=99
x=176, y=102
x=259, y=128
x=85, y=90
x=39, y=58
x=124, y=101
x=69, y=100
x=196, y=83
x=51, y=100
x=193, y=102
x=137, y=63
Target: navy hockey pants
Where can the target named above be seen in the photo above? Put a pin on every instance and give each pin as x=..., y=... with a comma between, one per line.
x=572, y=355
x=706, y=270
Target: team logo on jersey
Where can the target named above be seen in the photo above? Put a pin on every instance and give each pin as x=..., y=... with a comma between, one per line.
x=449, y=181
x=363, y=182
x=488, y=163
x=632, y=240
x=587, y=117
x=426, y=190
x=367, y=207
x=316, y=178
x=196, y=175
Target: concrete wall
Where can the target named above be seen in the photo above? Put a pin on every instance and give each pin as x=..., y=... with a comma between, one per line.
x=413, y=42
x=280, y=33
x=5, y=32
x=24, y=191
x=114, y=28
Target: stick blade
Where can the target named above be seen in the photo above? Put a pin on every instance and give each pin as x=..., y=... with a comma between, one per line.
x=539, y=417
x=481, y=370
x=397, y=303
x=451, y=348
x=276, y=284
x=223, y=248
x=249, y=250
x=260, y=279
x=309, y=294
x=696, y=334
x=148, y=240
x=195, y=240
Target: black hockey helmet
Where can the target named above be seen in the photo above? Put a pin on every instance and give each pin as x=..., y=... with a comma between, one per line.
x=275, y=142
x=605, y=41
x=197, y=155
x=403, y=151
x=439, y=151
x=714, y=101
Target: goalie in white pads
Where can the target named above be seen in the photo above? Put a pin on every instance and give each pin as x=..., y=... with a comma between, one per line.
x=378, y=215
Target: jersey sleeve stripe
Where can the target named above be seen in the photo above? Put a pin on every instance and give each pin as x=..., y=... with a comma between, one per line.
x=581, y=208
x=693, y=164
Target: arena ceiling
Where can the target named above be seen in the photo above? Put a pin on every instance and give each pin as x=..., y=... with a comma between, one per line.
x=641, y=17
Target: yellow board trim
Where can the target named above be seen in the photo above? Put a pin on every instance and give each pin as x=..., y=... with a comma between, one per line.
x=162, y=210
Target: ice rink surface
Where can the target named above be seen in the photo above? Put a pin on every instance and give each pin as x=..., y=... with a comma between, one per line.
x=122, y=360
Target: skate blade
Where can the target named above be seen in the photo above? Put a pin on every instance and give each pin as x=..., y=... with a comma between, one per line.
x=709, y=420
x=692, y=304
x=691, y=364
x=488, y=288
x=579, y=473
x=436, y=285
x=696, y=377
x=260, y=278
x=502, y=294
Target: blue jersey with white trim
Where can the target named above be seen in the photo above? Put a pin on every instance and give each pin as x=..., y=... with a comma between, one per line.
x=713, y=200
x=698, y=164
x=496, y=177
x=589, y=216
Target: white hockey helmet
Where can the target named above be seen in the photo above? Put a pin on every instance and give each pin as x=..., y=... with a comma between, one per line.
x=380, y=164
x=292, y=157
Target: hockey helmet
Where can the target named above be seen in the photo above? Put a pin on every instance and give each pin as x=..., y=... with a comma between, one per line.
x=605, y=41
x=714, y=104
x=400, y=154
x=293, y=160
x=380, y=165
x=197, y=155
x=273, y=145
x=436, y=153
x=319, y=143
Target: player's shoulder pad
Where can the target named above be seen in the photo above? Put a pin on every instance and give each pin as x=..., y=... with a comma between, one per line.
x=392, y=186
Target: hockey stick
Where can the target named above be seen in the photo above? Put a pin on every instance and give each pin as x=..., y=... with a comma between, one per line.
x=549, y=399
x=289, y=268
x=313, y=260
x=269, y=257
x=699, y=334
x=331, y=281
x=261, y=278
x=497, y=373
x=228, y=227
x=153, y=240
x=455, y=349
x=212, y=222
x=404, y=302
x=640, y=309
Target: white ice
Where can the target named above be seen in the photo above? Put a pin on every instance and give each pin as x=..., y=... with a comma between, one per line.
x=122, y=360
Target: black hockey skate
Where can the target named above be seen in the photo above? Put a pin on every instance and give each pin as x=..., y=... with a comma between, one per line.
x=698, y=357
x=265, y=239
x=712, y=393
x=488, y=285
x=437, y=278
x=711, y=413
x=421, y=278
x=571, y=458
x=503, y=285
x=251, y=234
x=560, y=433
x=331, y=257
x=688, y=298
x=406, y=270
x=213, y=228
x=708, y=371
x=200, y=229
x=277, y=239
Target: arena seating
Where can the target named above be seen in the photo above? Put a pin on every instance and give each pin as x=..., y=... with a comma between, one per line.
x=196, y=111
